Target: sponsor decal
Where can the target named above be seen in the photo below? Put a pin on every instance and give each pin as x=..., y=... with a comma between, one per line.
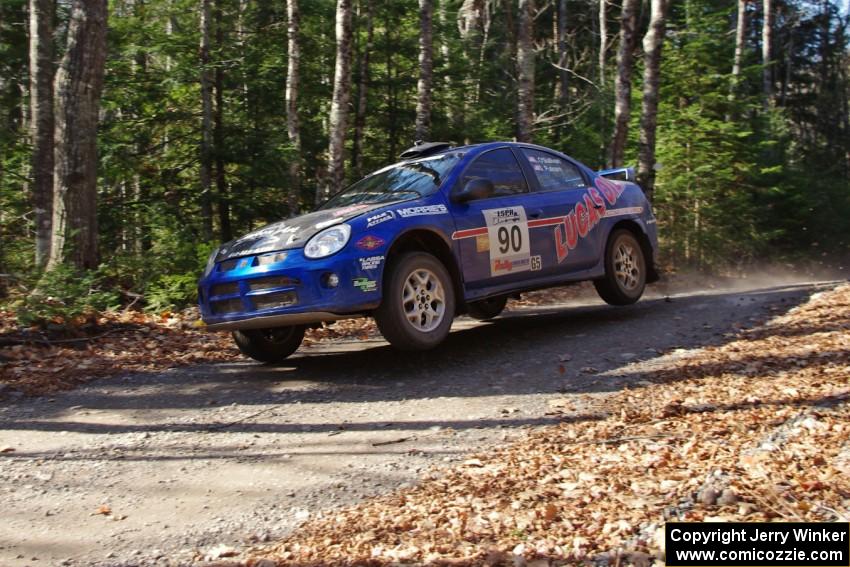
x=369, y=242
x=371, y=262
x=624, y=211
x=422, y=211
x=327, y=223
x=507, y=231
x=585, y=215
x=365, y=284
x=482, y=243
x=351, y=209
x=375, y=220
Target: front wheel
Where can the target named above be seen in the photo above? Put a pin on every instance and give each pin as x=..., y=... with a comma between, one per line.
x=269, y=345
x=625, y=270
x=419, y=303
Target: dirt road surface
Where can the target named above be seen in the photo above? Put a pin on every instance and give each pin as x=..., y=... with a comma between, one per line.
x=160, y=469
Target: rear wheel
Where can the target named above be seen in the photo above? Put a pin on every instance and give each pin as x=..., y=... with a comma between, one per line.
x=487, y=308
x=418, y=304
x=625, y=270
x=269, y=345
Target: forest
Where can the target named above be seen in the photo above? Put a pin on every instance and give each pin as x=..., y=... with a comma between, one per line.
x=138, y=134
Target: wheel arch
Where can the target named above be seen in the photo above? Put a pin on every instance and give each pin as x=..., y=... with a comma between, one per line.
x=632, y=226
x=436, y=244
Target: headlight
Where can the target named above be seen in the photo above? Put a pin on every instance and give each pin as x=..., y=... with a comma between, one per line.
x=327, y=242
x=211, y=262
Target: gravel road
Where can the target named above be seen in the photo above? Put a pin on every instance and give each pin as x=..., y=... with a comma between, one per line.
x=181, y=462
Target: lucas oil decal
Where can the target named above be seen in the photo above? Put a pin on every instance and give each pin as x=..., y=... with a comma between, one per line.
x=507, y=230
x=585, y=215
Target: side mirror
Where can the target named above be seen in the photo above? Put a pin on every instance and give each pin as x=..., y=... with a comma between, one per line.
x=478, y=188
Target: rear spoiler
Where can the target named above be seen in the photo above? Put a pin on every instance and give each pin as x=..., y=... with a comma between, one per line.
x=619, y=173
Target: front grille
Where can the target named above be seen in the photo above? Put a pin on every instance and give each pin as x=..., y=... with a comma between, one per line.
x=225, y=289
x=272, y=282
x=274, y=300
x=227, y=306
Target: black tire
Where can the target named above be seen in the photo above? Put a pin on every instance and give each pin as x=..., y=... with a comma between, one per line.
x=395, y=315
x=625, y=270
x=269, y=345
x=487, y=308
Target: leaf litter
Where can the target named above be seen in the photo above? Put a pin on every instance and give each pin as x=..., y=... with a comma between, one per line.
x=755, y=429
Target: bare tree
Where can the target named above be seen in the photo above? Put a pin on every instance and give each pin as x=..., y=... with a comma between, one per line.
x=623, y=83
x=79, y=83
x=41, y=14
x=561, y=39
x=525, y=71
x=767, y=51
x=362, y=93
x=206, y=122
x=740, y=39
x=652, y=44
x=221, y=188
x=341, y=95
x=426, y=70
x=293, y=130
x=603, y=41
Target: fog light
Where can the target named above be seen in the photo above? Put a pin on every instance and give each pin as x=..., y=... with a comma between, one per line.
x=331, y=280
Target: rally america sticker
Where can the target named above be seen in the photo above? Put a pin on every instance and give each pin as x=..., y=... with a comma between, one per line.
x=379, y=218
x=422, y=211
x=507, y=230
x=369, y=242
x=371, y=262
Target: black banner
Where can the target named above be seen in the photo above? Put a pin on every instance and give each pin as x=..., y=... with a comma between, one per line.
x=745, y=544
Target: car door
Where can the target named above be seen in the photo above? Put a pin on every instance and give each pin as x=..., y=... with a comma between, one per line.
x=494, y=240
x=569, y=210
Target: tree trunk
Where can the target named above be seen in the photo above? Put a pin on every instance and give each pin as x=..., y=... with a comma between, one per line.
x=41, y=14
x=653, y=42
x=740, y=38
x=525, y=72
x=563, y=77
x=222, y=196
x=603, y=42
x=78, y=87
x=341, y=95
x=426, y=68
x=206, y=124
x=362, y=94
x=766, y=52
x=293, y=130
x=623, y=83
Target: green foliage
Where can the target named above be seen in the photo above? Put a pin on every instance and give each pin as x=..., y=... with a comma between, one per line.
x=172, y=292
x=67, y=297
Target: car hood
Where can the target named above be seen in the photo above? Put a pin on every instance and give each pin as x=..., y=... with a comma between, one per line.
x=290, y=233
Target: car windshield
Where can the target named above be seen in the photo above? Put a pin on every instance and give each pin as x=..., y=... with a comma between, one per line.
x=399, y=182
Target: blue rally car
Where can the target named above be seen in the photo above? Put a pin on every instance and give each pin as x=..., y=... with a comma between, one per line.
x=446, y=231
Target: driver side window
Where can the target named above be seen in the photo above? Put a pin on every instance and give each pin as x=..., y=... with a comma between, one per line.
x=501, y=167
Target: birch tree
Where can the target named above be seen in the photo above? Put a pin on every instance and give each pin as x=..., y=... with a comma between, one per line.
x=293, y=131
x=341, y=95
x=623, y=83
x=79, y=83
x=41, y=14
x=652, y=44
x=426, y=70
x=206, y=123
x=767, y=51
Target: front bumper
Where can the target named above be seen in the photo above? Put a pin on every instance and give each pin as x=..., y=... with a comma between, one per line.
x=284, y=288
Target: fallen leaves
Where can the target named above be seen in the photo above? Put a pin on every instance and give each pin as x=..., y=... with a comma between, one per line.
x=754, y=429
x=124, y=342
